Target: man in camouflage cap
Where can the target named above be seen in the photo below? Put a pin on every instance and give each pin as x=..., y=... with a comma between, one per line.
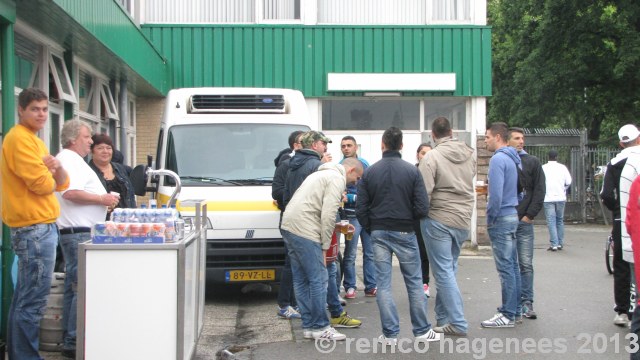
x=310, y=138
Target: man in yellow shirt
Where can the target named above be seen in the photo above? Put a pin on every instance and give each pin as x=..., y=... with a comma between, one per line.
x=30, y=176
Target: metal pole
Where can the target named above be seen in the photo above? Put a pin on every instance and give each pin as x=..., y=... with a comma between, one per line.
x=8, y=120
x=123, y=113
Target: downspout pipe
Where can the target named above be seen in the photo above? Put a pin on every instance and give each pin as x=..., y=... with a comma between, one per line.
x=7, y=70
x=123, y=109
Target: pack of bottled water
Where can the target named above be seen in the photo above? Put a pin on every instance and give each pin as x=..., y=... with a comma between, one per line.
x=140, y=226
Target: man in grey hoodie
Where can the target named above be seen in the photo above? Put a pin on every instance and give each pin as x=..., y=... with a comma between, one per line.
x=448, y=172
x=502, y=222
x=307, y=224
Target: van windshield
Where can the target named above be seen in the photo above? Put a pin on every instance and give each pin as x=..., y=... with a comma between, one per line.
x=226, y=154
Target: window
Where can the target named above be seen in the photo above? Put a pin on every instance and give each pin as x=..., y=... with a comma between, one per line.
x=25, y=60
x=108, y=104
x=85, y=96
x=454, y=109
x=281, y=9
x=55, y=71
x=450, y=10
x=370, y=114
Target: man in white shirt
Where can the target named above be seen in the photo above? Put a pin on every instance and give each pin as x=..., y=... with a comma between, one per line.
x=82, y=205
x=558, y=180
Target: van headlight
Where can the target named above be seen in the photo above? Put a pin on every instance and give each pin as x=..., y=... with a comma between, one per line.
x=190, y=222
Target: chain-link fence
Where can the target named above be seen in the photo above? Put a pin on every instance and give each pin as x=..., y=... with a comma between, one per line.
x=585, y=163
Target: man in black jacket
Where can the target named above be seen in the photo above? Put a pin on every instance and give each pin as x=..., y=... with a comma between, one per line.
x=528, y=208
x=610, y=195
x=391, y=196
x=286, y=297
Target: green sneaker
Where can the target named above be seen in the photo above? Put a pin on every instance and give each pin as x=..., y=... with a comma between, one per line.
x=345, y=321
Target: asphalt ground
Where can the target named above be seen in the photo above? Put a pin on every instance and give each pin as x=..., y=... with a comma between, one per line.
x=573, y=299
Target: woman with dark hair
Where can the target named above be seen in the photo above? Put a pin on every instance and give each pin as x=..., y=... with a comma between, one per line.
x=423, y=149
x=113, y=175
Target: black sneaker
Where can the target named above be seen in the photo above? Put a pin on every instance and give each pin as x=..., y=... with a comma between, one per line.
x=68, y=353
x=527, y=310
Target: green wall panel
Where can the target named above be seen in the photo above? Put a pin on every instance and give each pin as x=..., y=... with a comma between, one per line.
x=110, y=24
x=300, y=57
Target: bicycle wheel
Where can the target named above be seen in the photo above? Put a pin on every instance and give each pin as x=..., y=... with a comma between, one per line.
x=608, y=253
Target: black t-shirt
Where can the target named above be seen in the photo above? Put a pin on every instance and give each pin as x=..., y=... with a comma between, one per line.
x=117, y=186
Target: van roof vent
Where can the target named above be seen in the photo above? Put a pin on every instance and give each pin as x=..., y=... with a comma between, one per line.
x=241, y=103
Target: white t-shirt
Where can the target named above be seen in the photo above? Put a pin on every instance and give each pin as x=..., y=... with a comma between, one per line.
x=558, y=180
x=81, y=177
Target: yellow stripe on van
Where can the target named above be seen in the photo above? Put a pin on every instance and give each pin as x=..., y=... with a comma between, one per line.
x=227, y=205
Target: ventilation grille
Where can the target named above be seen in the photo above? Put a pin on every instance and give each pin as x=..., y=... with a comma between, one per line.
x=237, y=104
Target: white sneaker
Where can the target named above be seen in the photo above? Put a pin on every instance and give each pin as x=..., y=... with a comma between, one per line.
x=428, y=336
x=498, y=321
x=621, y=320
x=328, y=333
x=307, y=333
x=387, y=341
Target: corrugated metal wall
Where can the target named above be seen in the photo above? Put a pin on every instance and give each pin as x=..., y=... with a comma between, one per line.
x=300, y=57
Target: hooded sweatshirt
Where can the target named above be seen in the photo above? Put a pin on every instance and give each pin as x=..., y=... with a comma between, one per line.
x=503, y=184
x=311, y=212
x=448, y=172
x=303, y=163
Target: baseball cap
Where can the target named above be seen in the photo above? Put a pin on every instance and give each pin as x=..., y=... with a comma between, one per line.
x=312, y=136
x=628, y=133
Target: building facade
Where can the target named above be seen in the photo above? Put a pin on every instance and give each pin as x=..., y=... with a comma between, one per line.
x=363, y=65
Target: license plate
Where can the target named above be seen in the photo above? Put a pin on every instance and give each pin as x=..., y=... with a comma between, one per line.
x=250, y=275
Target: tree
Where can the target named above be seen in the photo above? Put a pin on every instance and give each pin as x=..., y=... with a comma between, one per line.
x=566, y=63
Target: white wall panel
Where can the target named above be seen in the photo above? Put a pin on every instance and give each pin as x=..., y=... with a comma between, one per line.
x=356, y=12
x=199, y=11
x=408, y=12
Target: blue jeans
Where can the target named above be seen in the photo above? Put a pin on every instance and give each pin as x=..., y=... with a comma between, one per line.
x=554, y=212
x=310, y=280
x=349, y=260
x=405, y=246
x=443, y=247
x=35, y=247
x=69, y=244
x=286, y=296
x=333, y=301
x=505, y=255
x=524, y=239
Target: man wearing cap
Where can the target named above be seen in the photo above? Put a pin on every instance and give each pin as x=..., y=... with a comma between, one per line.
x=558, y=180
x=303, y=163
x=611, y=196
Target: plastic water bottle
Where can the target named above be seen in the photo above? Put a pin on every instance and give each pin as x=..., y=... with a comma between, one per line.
x=153, y=214
x=170, y=229
x=116, y=215
x=143, y=214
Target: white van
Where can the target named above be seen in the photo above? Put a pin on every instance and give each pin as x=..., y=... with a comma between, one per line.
x=222, y=143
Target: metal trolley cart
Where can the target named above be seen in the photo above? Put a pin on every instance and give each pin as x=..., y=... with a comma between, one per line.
x=143, y=301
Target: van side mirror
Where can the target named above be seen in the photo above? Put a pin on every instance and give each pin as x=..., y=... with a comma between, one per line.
x=138, y=179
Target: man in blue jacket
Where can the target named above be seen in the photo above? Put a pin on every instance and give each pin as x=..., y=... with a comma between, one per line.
x=391, y=196
x=349, y=148
x=502, y=222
